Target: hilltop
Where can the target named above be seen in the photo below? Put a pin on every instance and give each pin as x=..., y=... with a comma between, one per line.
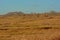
x=18, y=19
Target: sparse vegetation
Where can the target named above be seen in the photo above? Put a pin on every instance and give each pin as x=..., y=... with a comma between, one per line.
x=21, y=26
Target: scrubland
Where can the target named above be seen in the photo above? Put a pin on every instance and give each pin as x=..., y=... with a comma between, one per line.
x=34, y=26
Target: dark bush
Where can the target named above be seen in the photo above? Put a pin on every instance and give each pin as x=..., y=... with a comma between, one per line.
x=46, y=28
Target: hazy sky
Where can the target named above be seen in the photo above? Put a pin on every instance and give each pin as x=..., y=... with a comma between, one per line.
x=29, y=5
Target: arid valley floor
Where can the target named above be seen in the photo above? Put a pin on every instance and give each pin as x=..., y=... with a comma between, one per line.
x=17, y=26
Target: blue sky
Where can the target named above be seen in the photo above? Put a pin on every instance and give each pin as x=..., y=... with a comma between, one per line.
x=29, y=5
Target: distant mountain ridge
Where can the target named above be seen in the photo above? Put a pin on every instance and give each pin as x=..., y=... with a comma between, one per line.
x=17, y=14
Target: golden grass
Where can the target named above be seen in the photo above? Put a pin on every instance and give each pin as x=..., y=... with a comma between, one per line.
x=30, y=27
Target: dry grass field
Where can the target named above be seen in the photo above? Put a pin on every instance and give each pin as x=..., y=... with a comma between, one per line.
x=19, y=26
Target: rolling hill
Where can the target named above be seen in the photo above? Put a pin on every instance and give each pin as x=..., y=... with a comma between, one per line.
x=35, y=26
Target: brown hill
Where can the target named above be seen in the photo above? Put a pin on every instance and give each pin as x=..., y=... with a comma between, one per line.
x=20, y=26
